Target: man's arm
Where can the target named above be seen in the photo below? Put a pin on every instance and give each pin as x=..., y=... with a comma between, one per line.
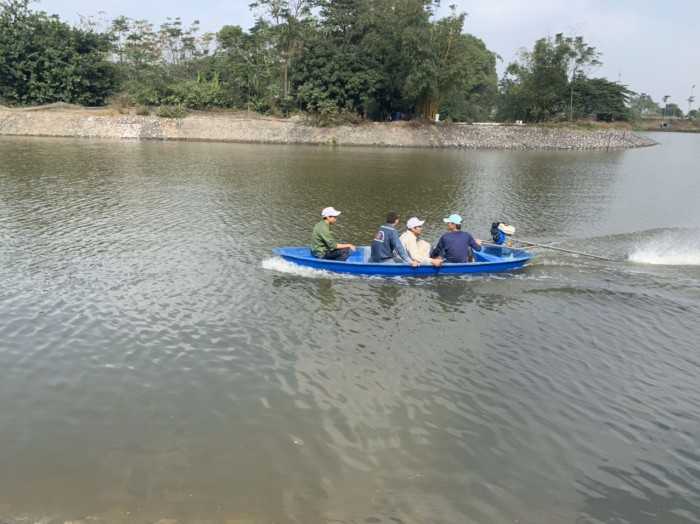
x=400, y=249
x=331, y=243
x=474, y=243
x=439, y=249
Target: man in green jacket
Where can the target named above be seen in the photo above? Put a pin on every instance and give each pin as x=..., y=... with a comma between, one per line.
x=323, y=242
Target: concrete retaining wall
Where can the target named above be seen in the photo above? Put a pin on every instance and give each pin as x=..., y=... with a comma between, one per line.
x=239, y=128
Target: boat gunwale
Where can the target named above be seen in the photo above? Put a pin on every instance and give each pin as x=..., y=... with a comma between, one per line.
x=519, y=262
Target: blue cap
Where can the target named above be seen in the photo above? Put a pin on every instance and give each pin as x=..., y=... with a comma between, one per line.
x=454, y=218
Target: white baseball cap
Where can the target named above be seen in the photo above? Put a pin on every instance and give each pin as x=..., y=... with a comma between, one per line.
x=505, y=228
x=414, y=222
x=330, y=212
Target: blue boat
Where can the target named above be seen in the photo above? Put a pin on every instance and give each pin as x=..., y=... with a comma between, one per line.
x=491, y=259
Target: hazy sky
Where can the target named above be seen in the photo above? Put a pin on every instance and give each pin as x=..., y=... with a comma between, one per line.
x=651, y=46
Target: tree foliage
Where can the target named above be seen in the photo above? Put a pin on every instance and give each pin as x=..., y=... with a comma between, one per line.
x=380, y=58
x=551, y=83
x=335, y=59
x=642, y=106
x=44, y=60
x=601, y=99
x=369, y=58
x=167, y=65
x=291, y=25
x=532, y=87
x=673, y=110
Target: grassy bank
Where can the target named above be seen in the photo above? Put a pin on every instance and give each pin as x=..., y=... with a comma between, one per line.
x=671, y=126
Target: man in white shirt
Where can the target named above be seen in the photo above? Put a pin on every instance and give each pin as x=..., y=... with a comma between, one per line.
x=417, y=249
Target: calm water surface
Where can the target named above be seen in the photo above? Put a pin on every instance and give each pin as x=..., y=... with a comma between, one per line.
x=157, y=361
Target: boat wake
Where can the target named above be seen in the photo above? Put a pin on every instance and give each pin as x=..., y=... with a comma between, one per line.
x=678, y=247
x=282, y=266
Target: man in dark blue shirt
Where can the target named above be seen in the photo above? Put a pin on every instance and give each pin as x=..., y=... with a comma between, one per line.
x=455, y=246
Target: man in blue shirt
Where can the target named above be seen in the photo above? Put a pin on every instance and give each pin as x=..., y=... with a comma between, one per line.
x=456, y=245
x=386, y=246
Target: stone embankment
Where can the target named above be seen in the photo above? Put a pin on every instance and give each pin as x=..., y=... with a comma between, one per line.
x=241, y=127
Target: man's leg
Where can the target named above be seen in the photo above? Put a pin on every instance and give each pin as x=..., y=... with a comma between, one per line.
x=338, y=254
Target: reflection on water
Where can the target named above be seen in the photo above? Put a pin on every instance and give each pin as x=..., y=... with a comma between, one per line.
x=158, y=361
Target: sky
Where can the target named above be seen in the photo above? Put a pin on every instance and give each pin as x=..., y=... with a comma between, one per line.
x=649, y=45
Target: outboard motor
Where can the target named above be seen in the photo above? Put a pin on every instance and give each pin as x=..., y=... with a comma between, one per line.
x=500, y=232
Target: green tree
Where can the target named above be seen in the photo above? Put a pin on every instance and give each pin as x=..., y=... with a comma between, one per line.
x=535, y=87
x=541, y=84
x=336, y=71
x=642, y=106
x=580, y=58
x=142, y=73
x=157, y=65
x=247, y=65
x=118, y=32
x=467, y=81
x=672, y=110
x=136, y=43
x=378, y=57
x=291, y=21
x=44, y=60
x=400, y=40
x=601, y=99
x=181, y=45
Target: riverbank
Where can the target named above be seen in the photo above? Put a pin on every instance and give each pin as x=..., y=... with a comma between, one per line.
x=251, y=128
x=675, y=125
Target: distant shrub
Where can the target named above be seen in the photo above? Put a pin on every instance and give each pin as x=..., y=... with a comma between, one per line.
x=143, y=110
x=261, y=105
x=147, y=94
x=197, y=94
x=121, y=102
x=287, y=105
x=177, y=111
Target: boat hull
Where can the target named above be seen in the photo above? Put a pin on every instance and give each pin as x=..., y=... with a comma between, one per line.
x=488, y=260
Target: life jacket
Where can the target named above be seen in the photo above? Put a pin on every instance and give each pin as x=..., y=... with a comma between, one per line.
x=498, y=236
x=500, y=231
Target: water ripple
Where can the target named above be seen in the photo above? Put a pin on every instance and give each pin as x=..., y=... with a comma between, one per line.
x=157, y=359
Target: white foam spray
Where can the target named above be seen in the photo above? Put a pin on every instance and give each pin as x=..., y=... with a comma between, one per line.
x=672, y=248
x=282, y=266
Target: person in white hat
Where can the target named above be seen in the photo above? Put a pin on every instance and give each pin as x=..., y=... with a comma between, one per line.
x=418, y=249
x=323, y=242
x=500, y=231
